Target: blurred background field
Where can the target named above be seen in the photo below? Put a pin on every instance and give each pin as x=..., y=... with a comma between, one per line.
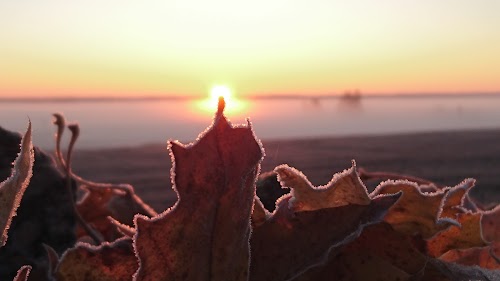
x=445, y=158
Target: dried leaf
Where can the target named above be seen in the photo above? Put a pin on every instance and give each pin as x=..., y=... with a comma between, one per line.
x=454, y=199
x=485, y=257
x=490, y=223
x=122, y=228
x=467, y=235
x=12, y=189
x=23, y=273
x=289, y=242
x=107, y=262
x=205, y=235
x=345, y=188
x=418, y=212
x=100, y=202
x=259, y=213
x=53, y=259
x=488, y=256
x=379, y=253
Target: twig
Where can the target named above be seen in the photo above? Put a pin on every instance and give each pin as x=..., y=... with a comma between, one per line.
x=75, y=132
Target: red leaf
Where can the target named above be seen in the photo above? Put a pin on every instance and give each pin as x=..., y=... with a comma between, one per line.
x=12, y=189
x=23, y=273
x=107, y=262
x=99, y=203
x=467, y=235
x=379, y=253
x=205, y=235
x=420, y=212
x=289, y=241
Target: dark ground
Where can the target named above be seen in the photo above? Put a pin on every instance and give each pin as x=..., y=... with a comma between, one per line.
x=445, y=158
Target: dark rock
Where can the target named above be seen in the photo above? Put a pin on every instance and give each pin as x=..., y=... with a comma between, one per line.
x=45, y=215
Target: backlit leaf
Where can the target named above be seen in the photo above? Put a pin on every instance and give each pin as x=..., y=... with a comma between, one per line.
x=379, y=253
x=467, y=235
x=419, y=212
x=344, y=188
x=23, y=273
x=99, y=203
x=107, y=262
x=12, y=189
x=289, y=241
x=205, y=235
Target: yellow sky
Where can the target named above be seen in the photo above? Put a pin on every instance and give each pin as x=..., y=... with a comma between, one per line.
x=133, y=48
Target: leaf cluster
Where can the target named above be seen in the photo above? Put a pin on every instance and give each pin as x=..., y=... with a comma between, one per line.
x=220, y=230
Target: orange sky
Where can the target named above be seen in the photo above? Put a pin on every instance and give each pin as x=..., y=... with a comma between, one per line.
x=134, y=48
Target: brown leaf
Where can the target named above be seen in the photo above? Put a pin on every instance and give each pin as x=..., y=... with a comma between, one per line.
x=289, y=242
x=23, y=273
x=205, y=235
x=454, y=199
x=259, y=213
x=490, y=223
x=379, y=253
x=419, y=212
x=345, y=188
x=485, y=257
x=12, y=189
x=467, y=235
x=100, y=202
x=107, y=262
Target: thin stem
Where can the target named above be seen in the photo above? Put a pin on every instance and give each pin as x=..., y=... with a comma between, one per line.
x=91, y=232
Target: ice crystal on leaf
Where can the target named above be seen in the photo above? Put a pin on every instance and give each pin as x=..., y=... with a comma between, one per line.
x=106, y=262
x=23, y=273
x=345, y=188
x=220, y=230
x=295, y=238
x=205, y=235
x=12, y=189
x=419, y=212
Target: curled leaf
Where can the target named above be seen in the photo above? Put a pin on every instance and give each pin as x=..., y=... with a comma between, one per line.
x=379, y=253
x=467, y=235
x=454, y=199
x=23, y=273
x=107, y=262
x=345, y=188
x=420, y=212
x=485, y=257
x=122, y=228
x=490, y=223
x=259, y=213
x=289, y=241
x=205, y=235
x=100, y=202
x=53, y=259
x=12, y=189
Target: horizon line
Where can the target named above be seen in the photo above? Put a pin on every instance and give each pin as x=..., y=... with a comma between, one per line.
x=249, y=97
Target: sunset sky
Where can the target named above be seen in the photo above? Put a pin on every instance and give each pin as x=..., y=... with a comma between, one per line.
x=159, y=47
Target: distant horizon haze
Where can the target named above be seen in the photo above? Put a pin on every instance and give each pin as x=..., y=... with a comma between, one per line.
x=249, y=96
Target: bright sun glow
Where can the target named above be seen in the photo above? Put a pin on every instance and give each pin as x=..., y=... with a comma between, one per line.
x=233, y=105
x=221, y=91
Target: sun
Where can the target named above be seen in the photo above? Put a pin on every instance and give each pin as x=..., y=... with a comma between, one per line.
x=220, y=91
x=233, y=104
